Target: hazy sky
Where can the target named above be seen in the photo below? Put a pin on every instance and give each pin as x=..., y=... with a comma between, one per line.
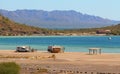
x=104, y=8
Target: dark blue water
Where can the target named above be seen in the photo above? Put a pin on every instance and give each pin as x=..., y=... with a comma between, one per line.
x=71, y=43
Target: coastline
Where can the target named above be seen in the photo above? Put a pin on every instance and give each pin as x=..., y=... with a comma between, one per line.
x=60, y=35
x=76, y=56
x=68, y=61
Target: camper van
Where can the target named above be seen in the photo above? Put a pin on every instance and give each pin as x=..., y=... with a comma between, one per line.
x=56, y=49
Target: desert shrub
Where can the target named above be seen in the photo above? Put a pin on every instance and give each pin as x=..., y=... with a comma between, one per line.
x=9, y=68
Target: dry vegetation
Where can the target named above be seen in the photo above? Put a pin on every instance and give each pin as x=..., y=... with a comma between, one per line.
x=10, y=28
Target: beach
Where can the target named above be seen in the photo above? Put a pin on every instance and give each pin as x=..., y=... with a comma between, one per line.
x=67, y=62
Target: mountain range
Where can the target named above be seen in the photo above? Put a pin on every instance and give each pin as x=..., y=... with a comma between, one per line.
x=11, y=28
x=57, y=19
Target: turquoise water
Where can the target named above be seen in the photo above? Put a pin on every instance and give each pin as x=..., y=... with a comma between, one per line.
x=71, y=43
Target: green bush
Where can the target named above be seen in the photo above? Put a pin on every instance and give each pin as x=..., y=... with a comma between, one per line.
x=9, y=68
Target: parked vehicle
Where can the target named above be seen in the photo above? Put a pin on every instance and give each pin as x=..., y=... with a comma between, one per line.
x=56, y=49
x=25, y=49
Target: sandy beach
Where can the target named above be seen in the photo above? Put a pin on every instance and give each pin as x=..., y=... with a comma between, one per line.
x=68, y=62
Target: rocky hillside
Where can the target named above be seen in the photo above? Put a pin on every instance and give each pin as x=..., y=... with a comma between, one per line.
x=8, y=28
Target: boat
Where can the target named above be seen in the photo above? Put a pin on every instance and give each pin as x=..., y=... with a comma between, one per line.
x=109, y=38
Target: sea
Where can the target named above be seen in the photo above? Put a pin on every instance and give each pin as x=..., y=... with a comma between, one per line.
x=108, y=44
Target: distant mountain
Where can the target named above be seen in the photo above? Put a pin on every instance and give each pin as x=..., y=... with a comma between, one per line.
x=57, y=19
x=11, y=28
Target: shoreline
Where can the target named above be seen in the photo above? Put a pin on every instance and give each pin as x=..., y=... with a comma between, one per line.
x=42, y=51
x=62, y=36
x=77, y=57
x=61, y=55
x=68, y=61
